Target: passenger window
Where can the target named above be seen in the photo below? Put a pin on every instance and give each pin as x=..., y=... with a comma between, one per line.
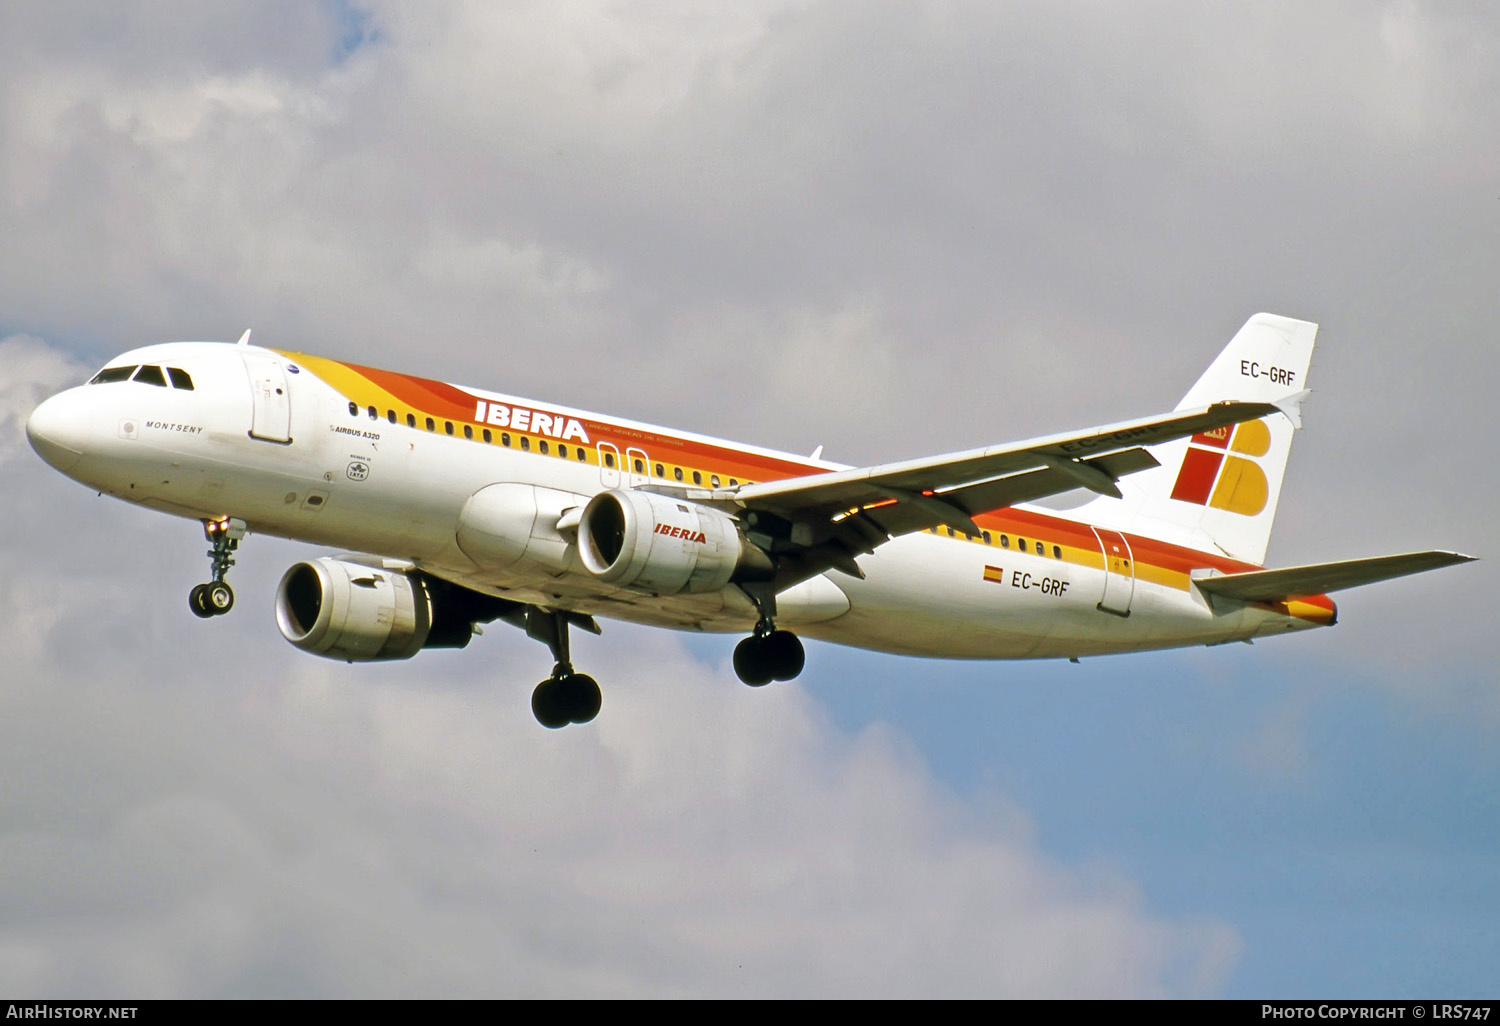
x=487, y=436
x=448, y=426
x=149, y=375
x=950, y=532
x=987, y=538
x=1005, y=541
x=714, y=480
x=733, y=483
x=677, y=473
x=110, y=374
x=468, y=432
x=411, y=420
x=430, y=425
x=697, y=477
x=1021, y=544
x=659, y=469
x=1056, y=552
x=562, y=450
x=374, y=413
x=525, y=443
x=1040, y=551
x=543, y=447
x=390, y=415
x=180, y=378
x=609, y=459
x=583, y=456
x=505, y=439
x=640, y=468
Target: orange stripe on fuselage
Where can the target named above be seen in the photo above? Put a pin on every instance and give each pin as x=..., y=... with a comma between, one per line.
x=432, y=397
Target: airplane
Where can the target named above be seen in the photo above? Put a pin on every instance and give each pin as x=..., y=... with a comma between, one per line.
x=460, y=507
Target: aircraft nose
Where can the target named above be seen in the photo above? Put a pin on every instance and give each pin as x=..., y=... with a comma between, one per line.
x=58, y=430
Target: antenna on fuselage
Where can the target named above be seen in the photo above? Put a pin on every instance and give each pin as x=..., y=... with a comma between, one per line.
x=817, y=453
x=245, y=338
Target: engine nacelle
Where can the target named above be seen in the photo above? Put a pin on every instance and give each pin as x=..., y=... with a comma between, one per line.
x=665, y=546
x=515, y=525
x=361, y=613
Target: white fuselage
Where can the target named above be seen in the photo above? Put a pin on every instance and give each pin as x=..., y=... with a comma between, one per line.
x=278, y=441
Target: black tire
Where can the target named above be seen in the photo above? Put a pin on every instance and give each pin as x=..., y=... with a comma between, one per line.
x=581, y=697
x=198, y=601
x=750, y=664
x=218, y=597
x=782, y=654
x=547, y=705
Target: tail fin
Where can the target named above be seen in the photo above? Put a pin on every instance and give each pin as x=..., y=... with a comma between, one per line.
x=1219, y=490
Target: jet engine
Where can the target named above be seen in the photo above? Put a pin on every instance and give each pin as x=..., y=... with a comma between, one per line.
x=360, y=613
x=665, y=546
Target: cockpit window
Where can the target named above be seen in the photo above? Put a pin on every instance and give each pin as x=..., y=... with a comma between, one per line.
x=146, y=375
x=149, y=375
x=109, y=374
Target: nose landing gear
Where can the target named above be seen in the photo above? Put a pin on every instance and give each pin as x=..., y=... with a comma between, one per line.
x=216, y=597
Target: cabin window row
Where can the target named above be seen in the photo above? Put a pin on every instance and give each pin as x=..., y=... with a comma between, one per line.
x=1039, y=548
x=543, y=446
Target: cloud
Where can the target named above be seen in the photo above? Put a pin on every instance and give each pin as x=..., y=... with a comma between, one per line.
x=33, y=371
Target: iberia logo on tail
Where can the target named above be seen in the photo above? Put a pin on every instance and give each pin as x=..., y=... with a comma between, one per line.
x=1230, y=480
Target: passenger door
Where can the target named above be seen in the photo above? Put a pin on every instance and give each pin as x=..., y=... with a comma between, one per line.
x=270, y=405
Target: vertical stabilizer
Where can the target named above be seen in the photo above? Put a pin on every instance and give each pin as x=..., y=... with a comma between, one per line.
x=1218, y=491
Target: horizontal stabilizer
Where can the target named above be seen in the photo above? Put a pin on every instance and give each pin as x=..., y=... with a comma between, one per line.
x=1319, y=578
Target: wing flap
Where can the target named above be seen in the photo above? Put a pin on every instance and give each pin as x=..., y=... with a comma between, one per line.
x=1320, y=578
x=1049, y=480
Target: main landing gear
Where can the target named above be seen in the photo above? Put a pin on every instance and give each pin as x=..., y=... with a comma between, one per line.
x=566, y=696
x=216, y=597
x=768, y=654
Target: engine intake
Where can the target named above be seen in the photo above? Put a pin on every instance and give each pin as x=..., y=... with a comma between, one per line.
x=362, y=613
x=663, y=545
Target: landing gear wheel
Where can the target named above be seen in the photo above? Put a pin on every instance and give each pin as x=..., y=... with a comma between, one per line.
x=198, y=601
x=783, y=653
x=749, y=664
x=219, y=597
x=547, y=705
x=581, y=697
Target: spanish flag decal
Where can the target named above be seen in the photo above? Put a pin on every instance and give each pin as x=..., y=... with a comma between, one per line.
x=994, y=573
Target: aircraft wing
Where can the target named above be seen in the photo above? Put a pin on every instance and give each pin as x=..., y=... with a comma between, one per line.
x=984, y=479
x=1320, y=578
x=824, y=520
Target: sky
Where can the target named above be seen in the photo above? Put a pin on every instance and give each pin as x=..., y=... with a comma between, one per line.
x=890, y=229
